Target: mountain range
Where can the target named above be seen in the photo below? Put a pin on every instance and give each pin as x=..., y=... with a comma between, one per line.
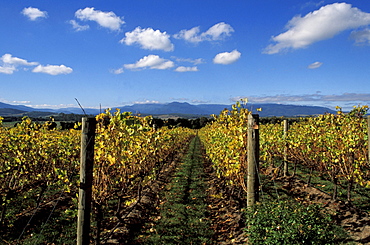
x=173, y=108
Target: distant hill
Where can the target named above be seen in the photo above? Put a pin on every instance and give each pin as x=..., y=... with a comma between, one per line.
x=176, y=108
x=170, y=108
x=268, y=110
x=78, y=111
x=10, y=112
x=17, y=107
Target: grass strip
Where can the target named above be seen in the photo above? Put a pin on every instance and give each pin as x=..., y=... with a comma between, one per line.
x=183, y=214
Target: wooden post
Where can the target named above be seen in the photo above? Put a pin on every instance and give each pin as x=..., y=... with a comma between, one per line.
x=86, y=177
x=286, y=128
x=253, y=160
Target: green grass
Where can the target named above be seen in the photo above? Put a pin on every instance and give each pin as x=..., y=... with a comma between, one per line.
x=183, y=214
x=9, y=124
x=280, y=219
x=288, y=222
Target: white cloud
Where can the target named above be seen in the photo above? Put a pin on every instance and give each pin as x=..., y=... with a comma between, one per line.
x=105, y=19
x=11, y=63
x=55, y=106
x=319, y=25
x=21, y=101
x=149, y=39
x=117, y=71
x=315, y=65
x=227, y=58
x=197, y=61
x=217, y=32
x=34, y=13
x=147, y=102
x=186, y=69
x=361, y=37
x=151, y=62
x=77, y=26
x=7, y=69
x=53, y=69
x=191, y=35
x=9, y=59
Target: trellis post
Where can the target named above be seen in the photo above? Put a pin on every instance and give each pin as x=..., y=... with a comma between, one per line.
x=253, y=160
x=86, y=178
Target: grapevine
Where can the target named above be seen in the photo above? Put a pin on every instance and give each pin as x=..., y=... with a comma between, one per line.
x=128, y=154
x=333, y=144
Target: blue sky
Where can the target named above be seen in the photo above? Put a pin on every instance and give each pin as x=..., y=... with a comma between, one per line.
x=113, y=53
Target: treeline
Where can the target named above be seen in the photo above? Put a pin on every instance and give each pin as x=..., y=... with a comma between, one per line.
x=196, y=123
x=57, y=117
x=279, y=120
x=68, y=121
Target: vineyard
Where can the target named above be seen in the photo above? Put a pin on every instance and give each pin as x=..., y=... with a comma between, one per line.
x=183, y=186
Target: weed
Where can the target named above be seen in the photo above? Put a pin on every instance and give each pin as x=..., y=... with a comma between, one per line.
x=288, y=222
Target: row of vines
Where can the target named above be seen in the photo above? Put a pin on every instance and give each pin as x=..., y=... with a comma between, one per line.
x=39, y=167
x=336, y=145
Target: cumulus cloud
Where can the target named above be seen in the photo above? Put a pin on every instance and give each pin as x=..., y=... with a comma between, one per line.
x=361, y=37
x=53, y=69
x=319, y=25
x=191, y=35
x=77, y=26
x=10, y=63
x=9, y=59
x=227, y=58
x=315, y=65
x=151, y=62
x=148, y=39
x=217, y=32
x=186, y=69
x=34, y=13
x=105, y=19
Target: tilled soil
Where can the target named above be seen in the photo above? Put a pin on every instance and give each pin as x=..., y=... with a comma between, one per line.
x=225, y=208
